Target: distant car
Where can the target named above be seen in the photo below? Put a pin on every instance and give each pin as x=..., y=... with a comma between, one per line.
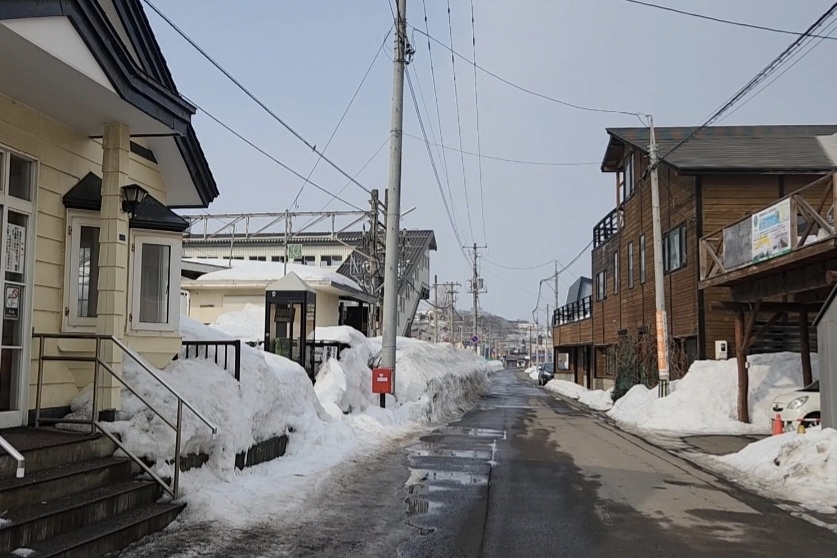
x=801, y=405
x=546, y=372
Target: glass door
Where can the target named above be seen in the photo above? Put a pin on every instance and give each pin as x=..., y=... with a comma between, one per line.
x=15, y=270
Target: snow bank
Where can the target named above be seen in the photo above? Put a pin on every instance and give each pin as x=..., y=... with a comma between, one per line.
x=242, y=270
x=597, y=399
x=246, y=324
x=704, y=401
x=496, y=365
x=797, y=467
x=340, y=334
x=532, y=372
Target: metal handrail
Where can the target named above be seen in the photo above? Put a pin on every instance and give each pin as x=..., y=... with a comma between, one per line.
x=11, y=450
x=177, y=426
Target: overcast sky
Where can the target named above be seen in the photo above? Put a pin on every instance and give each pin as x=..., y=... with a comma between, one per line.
x=306, y=59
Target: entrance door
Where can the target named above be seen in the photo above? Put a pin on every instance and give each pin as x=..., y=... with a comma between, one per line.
x=16, y=272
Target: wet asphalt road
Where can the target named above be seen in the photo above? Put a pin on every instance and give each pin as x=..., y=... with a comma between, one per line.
x=522, y=475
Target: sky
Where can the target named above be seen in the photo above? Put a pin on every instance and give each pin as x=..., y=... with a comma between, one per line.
x=305, y=61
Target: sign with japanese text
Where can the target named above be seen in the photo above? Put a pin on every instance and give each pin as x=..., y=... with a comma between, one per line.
x=15, y=247
x=11, y=302
x=771, y=231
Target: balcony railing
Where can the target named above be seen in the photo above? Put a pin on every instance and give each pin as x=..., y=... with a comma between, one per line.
x=607, y=227
x=573, y=312
x=783, y=227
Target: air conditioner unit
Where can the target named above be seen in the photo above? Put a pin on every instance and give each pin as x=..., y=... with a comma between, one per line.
x=721, y=350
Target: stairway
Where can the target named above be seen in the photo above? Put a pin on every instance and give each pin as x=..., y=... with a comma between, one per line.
x=76, y=500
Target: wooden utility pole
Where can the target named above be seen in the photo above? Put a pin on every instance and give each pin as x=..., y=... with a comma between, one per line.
x=659, y=285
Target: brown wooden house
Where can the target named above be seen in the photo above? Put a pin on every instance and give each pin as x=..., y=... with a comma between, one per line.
x=714, y=179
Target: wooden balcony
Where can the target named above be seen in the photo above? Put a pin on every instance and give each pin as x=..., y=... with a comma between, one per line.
x=797, y=231
x=607, y=228
x=572, y=323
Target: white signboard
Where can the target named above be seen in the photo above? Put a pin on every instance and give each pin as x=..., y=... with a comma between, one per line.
x=15, y=247
x=294, y=251
x=772, y=231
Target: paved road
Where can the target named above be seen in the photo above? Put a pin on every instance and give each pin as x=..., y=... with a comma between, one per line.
x=522, y=475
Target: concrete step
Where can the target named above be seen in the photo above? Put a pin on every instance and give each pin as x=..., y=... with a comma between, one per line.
x=47, y=448
x=112, y=534
x=51, y=484
x=42, y=520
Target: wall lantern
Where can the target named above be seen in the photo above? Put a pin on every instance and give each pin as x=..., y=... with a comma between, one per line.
x=132, y=196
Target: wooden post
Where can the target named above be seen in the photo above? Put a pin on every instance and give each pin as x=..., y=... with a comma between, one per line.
x=741, y=349
x=804, y=340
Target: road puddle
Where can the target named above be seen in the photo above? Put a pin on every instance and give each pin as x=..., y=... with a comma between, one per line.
x=426, y=449
x=479, y=432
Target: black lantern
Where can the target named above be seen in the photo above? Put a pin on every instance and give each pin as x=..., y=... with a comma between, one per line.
x=132, y=196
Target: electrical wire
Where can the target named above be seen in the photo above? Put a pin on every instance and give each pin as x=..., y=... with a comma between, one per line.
x=518, y=268
x=721, y=20
x=252, y=96
x=524, y=89
x=459, y=124
x=266, y=154
x=342, y=118
x=768, y=70
x=477, y=116
x=505, y=159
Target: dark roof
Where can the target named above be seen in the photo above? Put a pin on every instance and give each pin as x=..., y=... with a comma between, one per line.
x=148, y=87
x=150, y=214
x=716, y=149
x=577, y=290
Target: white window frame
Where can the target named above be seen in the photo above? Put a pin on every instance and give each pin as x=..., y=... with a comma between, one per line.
x=76, y=219
x=175, y=244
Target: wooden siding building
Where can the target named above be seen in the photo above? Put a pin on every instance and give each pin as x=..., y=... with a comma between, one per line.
x=715, y=179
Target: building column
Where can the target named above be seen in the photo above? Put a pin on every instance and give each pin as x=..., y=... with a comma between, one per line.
x=113, y=258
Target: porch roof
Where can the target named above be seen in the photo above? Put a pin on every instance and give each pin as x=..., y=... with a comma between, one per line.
x=68, y=60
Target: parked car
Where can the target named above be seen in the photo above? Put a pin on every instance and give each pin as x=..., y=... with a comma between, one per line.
x=546, y=372
x=800, y=405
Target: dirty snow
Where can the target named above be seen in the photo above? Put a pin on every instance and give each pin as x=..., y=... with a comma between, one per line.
x=797, y=467
x=23, y=552
x=246, y=324
x=704, y=401
x=275, y=397
x=596, y=399
x=532, y=372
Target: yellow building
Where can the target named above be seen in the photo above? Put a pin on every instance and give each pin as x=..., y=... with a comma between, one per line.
x=89, y=116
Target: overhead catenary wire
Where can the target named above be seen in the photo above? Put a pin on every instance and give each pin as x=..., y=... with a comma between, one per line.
x=722, y=20
x=459, y=123
x=251, y=95
x=240, y=136
x=768, y=70
x=342, y=118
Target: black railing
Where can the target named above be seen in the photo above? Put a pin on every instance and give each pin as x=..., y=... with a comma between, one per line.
x=324, y=350
x=573, y=312
x=200, y=349
x=607, y=227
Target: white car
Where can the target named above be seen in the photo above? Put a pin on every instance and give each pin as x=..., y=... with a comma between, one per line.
x=801, y=405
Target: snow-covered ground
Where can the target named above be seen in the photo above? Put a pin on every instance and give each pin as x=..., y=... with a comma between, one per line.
x=327, y=422
x=596, y=399
x=704, y=401
x=797, y=467
x=532, y=372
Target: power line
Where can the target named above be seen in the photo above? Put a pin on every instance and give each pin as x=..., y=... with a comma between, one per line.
x=505, y=159
x=477, y=113
x=772, y=67
x=515, y=285
x=252, y=95
x=266, y=154
x=725, y=21
x=459, y=123
x=438, y=114
x=342, y=118
x=486, y=260
x=524, y=89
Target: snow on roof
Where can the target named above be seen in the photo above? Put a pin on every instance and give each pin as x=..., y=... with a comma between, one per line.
x=267, y=272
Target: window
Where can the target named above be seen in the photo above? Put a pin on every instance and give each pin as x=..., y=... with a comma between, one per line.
x=628, y=177
x=329, y=261
x=642, y=275
x=601, y=285
x=277, y=258
x=258, y=258
x=616, y=273
x=674, y=249
x=305, y=260
x=156, y=271
x=83, y=270
x=20, y=178
x=630, y=265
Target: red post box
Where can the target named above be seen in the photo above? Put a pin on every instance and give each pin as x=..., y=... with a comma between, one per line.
x=382, y=380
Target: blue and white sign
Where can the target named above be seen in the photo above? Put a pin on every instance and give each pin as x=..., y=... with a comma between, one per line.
x=475, y=339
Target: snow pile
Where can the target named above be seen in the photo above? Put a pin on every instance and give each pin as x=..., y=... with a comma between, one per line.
x=267, y=272
x=246, y=324
x=433, y=382
x=496, y=365
x=796, y=467
x=532, y=372
x=704, y=401
x=596, y=399
x=340, y=334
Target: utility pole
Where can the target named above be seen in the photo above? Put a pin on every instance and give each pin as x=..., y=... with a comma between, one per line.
x=391, y=256
x=659, y=285
x=451, y=292
x=287, y=240
x=557, y=303
x=436, y=308
x=476, y=289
